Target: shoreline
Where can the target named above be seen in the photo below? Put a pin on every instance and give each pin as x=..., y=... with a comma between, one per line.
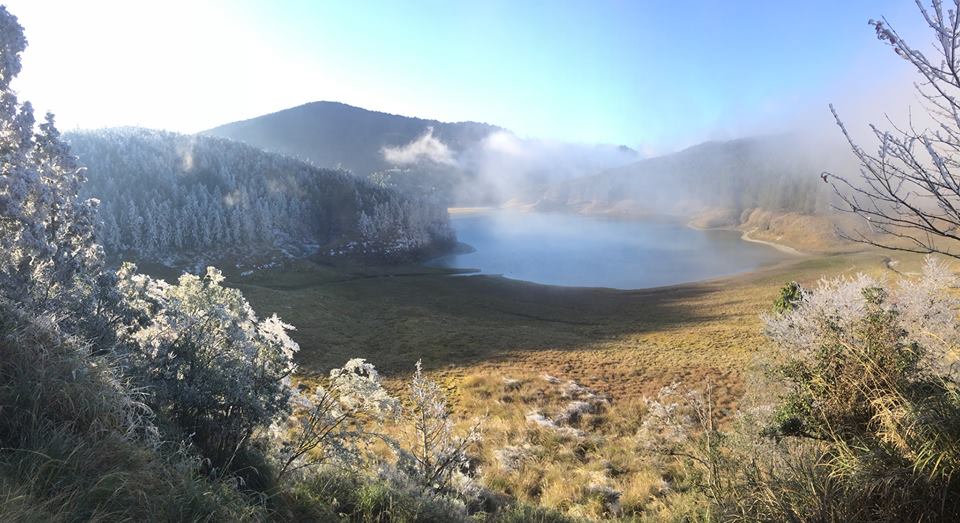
x=464, y=211
x=778, y=246
x=745, y=236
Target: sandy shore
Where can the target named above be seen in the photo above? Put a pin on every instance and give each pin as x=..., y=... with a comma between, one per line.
x=511, y=205
x=460, y=211
x=778, y=246
x=745, y=236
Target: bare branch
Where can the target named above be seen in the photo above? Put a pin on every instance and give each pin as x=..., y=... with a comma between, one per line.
x=908, y=191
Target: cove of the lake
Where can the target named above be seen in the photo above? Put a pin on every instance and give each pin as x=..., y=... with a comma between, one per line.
x=588, y=251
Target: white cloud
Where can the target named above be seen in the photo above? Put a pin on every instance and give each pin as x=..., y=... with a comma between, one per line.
x=426, y=148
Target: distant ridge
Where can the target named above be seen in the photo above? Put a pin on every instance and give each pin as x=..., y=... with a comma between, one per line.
x=769, y=172
x=334, y=134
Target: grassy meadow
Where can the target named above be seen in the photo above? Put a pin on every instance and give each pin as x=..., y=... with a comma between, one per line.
x=623, y=343
x=491, y=341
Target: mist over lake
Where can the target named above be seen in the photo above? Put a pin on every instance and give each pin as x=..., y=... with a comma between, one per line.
x=587, y=251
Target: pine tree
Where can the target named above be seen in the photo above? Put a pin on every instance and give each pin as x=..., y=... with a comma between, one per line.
x=46, y=231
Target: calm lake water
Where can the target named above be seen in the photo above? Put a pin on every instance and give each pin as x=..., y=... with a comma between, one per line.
x=584, y=251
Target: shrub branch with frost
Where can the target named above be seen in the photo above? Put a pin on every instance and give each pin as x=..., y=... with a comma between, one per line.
x=512, y=457
x=437, y=454
x=331, y=422
x=668, y=423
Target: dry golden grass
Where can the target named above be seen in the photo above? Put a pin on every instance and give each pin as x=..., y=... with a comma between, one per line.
x=623, y=343
x=490, y=341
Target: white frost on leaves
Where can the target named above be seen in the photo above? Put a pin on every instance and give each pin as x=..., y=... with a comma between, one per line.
x=668, y=422
x=583, y=400
x=512, y=457
x=275, y=330
x=575, y=410
x=574, y=390
x=539, y=419
x=925, y=308
x=358, y=386
x=553, y=380
x=928, y=312
x=511, y=384
x=201, y=349
x=439, y=455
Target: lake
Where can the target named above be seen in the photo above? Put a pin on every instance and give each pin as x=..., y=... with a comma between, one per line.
x=586, y=251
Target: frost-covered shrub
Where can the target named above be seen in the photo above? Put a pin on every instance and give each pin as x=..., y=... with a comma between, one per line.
x=870, y=374
x=539, y=419
x=575, y=410
x=210, y=364
x=335, y=494
x=668, y=423
x=582, y=401
x=437, y=454
x=859, y=420
x=511, y=384
x=357, y=386
x=574, y=390
x=330, y=423
x=512, y=457
x=608, y=496
x=553, y=380
x=333, y=423
x=854, y=345
x=77, y=443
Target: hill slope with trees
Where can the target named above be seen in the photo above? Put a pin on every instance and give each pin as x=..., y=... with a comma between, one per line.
x=769, y=187
x=737, y=175
x=333, y=134
x=461, y=163
x=163, y=193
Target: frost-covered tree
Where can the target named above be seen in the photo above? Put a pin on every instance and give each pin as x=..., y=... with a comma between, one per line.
x=166, y=194
x=46, y=231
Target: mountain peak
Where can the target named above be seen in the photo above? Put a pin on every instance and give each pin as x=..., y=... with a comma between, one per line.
x=331, y=134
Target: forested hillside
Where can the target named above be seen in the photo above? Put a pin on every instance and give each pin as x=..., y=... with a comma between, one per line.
x=333, y=134
x=773, y=173
x=463, y=163
x=164, y=193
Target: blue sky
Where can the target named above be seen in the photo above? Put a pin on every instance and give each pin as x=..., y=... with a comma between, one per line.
x=649, y=74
